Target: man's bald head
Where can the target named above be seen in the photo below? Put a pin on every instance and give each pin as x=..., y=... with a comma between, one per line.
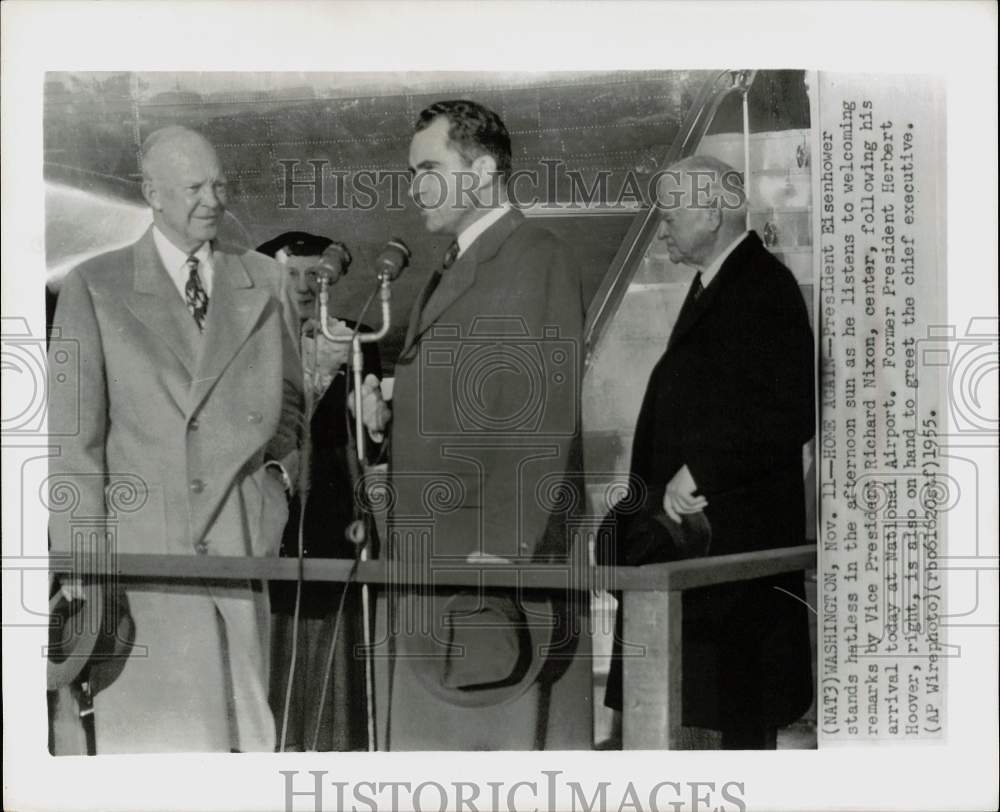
x=703, y=205
x=701, y=181
x=163, y=148
x=183, y=183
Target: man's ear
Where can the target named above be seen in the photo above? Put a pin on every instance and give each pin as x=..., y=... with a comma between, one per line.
x=485, y=166
x=150, y=194
x=713, y=216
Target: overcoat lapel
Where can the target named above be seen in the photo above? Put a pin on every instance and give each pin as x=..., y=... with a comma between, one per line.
x=692, y=312
x=418, y=307
x=156, y=303
x=233, y=310
x=462, y=275
x=454, y=282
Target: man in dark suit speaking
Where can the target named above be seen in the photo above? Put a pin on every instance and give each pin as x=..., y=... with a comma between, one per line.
x=484, y=442
x=720, y=433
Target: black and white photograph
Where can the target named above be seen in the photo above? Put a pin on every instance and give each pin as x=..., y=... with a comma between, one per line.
x=386, y=430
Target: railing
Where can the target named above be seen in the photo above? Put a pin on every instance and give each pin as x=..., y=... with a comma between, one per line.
x=651, y=596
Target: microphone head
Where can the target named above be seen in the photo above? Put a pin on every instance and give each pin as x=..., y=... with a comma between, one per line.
x=355, y=533
x=333, y=262
x=391, y=261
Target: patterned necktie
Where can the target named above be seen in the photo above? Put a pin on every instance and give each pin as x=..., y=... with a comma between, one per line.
x=197, y=298
x=450, y=256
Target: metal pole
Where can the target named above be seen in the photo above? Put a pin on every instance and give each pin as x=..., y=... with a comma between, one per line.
x=746, y=151
x=357, y=361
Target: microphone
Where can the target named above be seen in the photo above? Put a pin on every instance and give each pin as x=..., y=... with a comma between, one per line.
x=333, y=263
x=391, y=261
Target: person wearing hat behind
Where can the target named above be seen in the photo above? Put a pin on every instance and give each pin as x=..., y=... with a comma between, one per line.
x=322, y=715
x=184, y=418
x=484, y=445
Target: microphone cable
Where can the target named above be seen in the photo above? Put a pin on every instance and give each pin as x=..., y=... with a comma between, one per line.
x=305, y=462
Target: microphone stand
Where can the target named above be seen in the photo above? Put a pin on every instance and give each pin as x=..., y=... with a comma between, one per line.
x=357, y=531
x=356, y=340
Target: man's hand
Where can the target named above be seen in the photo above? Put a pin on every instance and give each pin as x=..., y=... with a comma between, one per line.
x=277, y=472
x=375, y=413
x=322, y=356
x=71, y=587
x=680, y=495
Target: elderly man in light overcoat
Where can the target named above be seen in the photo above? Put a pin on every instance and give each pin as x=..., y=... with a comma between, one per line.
x=187, y=403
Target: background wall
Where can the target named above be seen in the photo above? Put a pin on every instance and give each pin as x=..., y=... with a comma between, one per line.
x=94, y=124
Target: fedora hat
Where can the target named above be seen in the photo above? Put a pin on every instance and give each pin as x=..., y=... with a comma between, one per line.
x=482, y=647
x=651, y=539
x=96, y=630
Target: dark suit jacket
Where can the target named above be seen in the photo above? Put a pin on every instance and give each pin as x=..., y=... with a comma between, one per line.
x=484, y=459
x=732, y=398
x=486, y=398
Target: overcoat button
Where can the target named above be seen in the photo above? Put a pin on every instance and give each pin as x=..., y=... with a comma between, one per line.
x=254, y=417
x=197, y=486
x=202, y=547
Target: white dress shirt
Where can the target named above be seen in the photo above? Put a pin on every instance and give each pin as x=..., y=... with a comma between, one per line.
x=175, y=261
x=469, y=235
x=709, y=273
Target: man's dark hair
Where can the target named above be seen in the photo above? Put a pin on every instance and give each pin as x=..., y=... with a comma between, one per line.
x=296, y=244
x=474, y=130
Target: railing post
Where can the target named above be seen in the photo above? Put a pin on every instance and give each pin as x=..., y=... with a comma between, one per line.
x=651, y=714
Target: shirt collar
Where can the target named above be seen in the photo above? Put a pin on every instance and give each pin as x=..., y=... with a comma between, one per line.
x=175, y=260
x=709, y=273
x=469, y=235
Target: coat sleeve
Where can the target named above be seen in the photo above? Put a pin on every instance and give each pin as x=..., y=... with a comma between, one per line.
x=768, y=393
x=285, y=445
x=78, y=418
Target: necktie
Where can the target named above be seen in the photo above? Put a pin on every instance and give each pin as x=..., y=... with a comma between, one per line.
x=197, y=298
x=450, y=256
x=696, y=287
x=688, y=309
x=432, y=284
x=449, y=259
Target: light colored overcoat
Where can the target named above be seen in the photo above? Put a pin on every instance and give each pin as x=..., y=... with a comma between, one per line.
x=164, y=433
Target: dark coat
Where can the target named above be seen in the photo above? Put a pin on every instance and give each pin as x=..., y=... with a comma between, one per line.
x=330, y=502
x=486, y=397
x=329, y=509
x=733, y=399
x=484, y=459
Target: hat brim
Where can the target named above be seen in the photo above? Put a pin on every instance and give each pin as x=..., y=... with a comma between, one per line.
x=74, y=628
x=426, y=654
